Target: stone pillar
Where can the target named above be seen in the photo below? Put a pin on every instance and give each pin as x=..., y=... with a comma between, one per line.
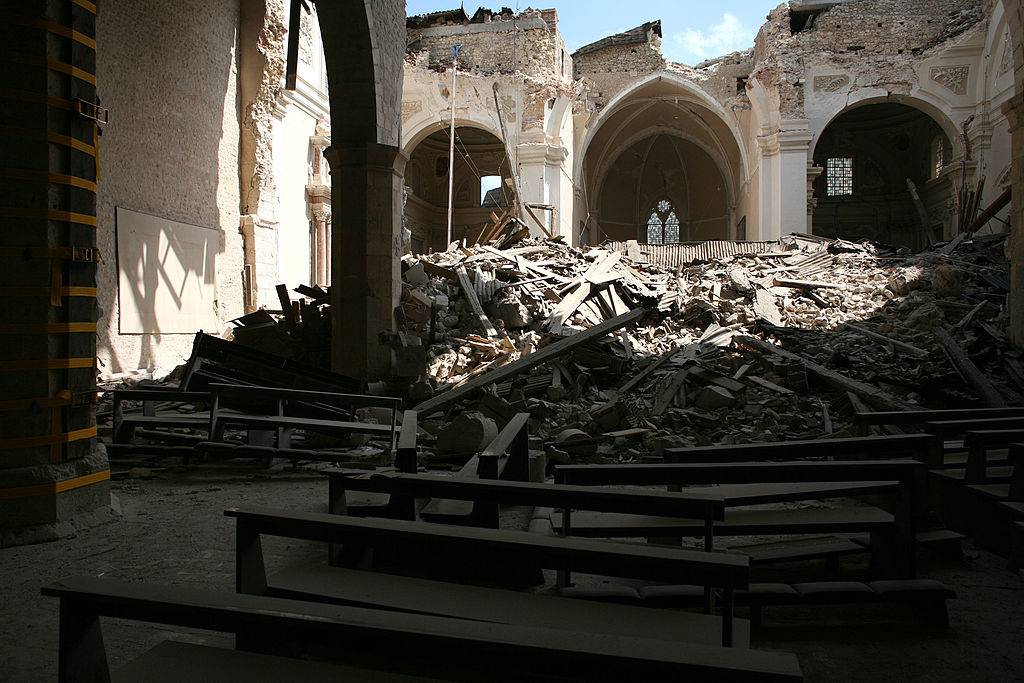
x=794, y=142
x=53, y=474
x=540, y=179
x=769, y=218
x=812, y=203
x=366, y=248
x=1014, y=110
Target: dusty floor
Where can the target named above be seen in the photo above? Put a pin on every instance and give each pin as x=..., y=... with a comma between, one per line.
x=173, y=532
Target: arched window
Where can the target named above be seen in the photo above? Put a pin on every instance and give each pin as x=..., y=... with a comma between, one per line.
x=663, y=224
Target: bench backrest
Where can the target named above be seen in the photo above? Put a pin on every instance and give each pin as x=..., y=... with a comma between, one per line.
x=903, y=418
x=685, y=474
x=948, y=428
x=498, y=546
x=630, y=501
x=413, y=644
x=915, y=446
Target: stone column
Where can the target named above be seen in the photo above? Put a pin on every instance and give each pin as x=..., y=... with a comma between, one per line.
x=366, y=204
x=53, y=474
x=1014, y=110
x=540, y=179
x=794, y=142
x=812, y=203
x=769, y=218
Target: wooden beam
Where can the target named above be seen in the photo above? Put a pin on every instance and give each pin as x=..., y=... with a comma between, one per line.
x=534, y=359
x=922, y=213
x=871, y=394
x=966, y=368
x=912, y=350
x=474, y=302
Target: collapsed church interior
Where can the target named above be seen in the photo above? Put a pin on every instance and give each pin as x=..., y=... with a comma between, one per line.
x=346, y=343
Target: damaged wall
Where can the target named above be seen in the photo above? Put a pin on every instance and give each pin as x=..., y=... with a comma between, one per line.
x=171, y=150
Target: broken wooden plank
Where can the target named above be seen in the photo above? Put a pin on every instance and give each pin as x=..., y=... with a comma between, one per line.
x=913, y=350
x=567, y=306
x=873, y=395
x=966, y=368
x=771, y=386
x=966, y=320
x=667, y=395
x=474, y=302
x=539, y=357
x=645, y=373
x=805, y=284
x=922, y=212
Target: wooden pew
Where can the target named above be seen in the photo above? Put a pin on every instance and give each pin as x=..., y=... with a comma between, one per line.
x=863, y=421
x=916, y=446
x=248, y=397
x=430, y=543
x=978, y=443
x=124, y=425
x=387, y=646
x=893, y=534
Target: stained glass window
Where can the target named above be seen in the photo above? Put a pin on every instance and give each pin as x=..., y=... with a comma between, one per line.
x=839, y=177
x=663, y=224
x=654, y=229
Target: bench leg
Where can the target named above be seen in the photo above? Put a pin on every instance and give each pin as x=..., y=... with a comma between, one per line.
x=81, y=655
x=709, y=545
x=728, y=606
x=564, y=575
x=336, y=505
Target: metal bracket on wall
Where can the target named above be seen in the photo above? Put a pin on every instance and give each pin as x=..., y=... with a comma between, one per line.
x=92, y=111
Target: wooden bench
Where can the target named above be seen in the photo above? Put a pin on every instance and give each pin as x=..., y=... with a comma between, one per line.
x=893, y=534
x=945, y=430
x=927, y=594
x=978, y=442
x=430, y=543
x=124, y=425
x=863, y=421
x=249, y=397
x=916, y=446
x=375, y=645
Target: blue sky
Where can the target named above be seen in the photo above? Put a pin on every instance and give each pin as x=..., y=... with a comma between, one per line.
x=694, y=30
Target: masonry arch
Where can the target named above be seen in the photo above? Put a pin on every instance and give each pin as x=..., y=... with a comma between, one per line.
x=482, y=183
x=868, y=152
x=662, y=135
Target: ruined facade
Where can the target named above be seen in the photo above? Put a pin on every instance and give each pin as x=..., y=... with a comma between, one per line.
x=630, y=145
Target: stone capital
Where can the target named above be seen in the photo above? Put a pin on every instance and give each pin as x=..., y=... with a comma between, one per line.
x=370, y=155
x=1013, y=109
x=541, y=153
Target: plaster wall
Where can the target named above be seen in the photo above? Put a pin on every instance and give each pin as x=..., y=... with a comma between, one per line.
x=171, y=150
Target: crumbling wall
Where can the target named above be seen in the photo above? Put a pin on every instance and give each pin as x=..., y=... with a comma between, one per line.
x=879, y=41
x=527, y=44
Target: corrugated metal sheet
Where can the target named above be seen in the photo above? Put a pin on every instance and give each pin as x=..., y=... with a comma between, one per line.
x=674, y=255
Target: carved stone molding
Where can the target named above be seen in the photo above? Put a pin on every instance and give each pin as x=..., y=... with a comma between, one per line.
x=409, y=108
x=952, y=78
x=831, y=83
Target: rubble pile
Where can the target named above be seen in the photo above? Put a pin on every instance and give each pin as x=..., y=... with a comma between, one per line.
x=783, y=344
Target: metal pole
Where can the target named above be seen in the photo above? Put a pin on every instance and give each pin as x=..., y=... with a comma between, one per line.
x=451, y=142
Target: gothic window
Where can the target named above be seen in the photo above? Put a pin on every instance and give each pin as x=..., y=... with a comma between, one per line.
x=663, y=224
x=839, y=176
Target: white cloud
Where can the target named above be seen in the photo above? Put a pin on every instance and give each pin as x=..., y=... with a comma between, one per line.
x=728, y=35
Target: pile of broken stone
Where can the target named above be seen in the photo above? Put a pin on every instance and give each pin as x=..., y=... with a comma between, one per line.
x=778, y=345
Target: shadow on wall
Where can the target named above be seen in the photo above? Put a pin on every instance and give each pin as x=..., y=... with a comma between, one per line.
x=168, y=74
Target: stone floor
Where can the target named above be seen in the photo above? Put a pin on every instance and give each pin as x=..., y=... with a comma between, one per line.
x=172, y=531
